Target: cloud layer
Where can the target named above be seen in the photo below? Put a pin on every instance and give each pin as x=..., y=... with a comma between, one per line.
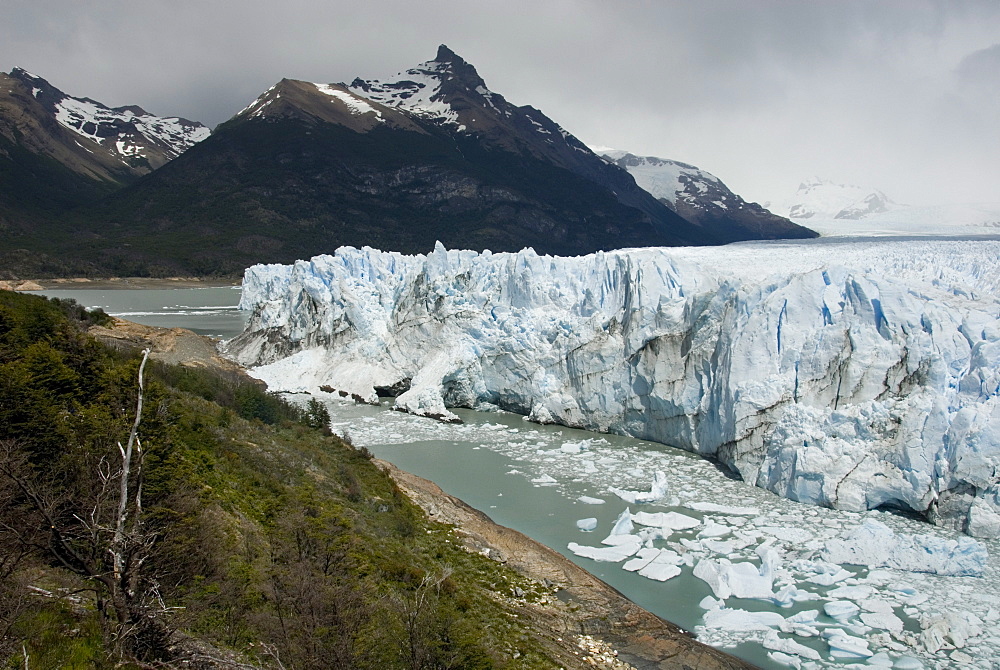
x=898, y=95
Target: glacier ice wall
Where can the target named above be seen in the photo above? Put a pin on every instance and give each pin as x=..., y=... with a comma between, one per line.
x=805, y=369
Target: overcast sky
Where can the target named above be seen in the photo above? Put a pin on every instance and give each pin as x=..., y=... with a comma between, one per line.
x=899, y=95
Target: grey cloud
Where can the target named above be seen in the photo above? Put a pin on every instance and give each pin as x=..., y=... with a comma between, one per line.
x=763, y=94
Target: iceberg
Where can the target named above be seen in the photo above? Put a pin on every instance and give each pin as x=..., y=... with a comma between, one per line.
x=666, y=520
x=850, y=376
x=775, y=643
x=740, y=580
x=613, y=554
x=741, y=620
x=657, y=491
x=876, y=545
x=843, y=645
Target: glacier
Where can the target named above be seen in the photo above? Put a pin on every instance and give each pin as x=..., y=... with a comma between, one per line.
x=854, y=376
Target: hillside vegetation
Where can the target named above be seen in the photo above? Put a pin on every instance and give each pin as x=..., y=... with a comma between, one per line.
x=242, y=534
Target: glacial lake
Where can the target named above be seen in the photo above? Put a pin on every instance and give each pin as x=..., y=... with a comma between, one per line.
x=531, y=478
x=208, y=310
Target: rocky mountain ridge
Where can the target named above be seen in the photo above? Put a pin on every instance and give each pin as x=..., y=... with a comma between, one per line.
x=701, y=197
x=129, y=137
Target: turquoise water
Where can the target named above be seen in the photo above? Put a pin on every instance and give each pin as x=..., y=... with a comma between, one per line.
x=207, y=310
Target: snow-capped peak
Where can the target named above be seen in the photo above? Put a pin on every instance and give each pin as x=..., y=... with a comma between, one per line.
x=426, y=90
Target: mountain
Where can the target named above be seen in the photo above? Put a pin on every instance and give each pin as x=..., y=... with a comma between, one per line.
x=430, y=154
x=702, y=198
x=135, y=140
x=59, y=152
x=822, y=199
x=426, y=155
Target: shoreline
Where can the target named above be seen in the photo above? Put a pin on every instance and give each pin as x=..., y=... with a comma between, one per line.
x=105, y=283
x=585, y=608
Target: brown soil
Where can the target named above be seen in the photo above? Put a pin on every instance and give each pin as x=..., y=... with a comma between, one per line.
x=19, y=285
x=587, y=615
x=176, y=346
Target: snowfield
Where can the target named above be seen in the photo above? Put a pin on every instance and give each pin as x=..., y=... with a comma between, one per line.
x=845, y=374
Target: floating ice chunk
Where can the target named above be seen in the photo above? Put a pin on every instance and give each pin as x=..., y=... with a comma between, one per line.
x=642, y=559
x=657, y=491
x=587, y=500
x=843, y=645
x=742, y=580
x=710, y=603
x=883, y=621
x=790, y=595
x=954, y=627
x=713, y=529
x=880, y=660
x=876, y=605
x=669, y=520
x=719, y=546
x=802, y=624
x=784, y=659
x=841, y=610
x=724, y=509
x=908, y=663
x=630, y=545
x=805, y=616
x=983, y=520
x=859, y=592
x=741, y=620
x=775, y=643
x=573, y=447
x=874, y=544
x=544, y=480
x=787, y=534
x=660, y=572
x=623, y=525
x=828, y=579
x=587, y=524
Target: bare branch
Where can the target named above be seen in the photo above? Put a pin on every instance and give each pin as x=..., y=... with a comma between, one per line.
x=119, y=539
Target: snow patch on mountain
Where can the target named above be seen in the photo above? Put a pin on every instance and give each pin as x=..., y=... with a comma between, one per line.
x=417, y=91
x=354, y=103
x=667, y=179
x=865, y=382
x=130, y=127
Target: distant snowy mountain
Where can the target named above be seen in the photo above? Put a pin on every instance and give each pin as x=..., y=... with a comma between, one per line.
x=956, y=219
x=822, y=199
x=698, y=196
x=140, y=140
x=838, y=210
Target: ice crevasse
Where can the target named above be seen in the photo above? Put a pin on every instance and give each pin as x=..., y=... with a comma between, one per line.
x=827, y=383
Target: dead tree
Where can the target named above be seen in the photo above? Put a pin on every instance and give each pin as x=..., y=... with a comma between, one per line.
x=96, y=531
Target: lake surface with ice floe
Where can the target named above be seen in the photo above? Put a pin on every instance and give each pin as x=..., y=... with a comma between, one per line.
x=803, y=612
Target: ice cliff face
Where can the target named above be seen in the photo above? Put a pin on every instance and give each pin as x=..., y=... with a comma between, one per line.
x=830, y=384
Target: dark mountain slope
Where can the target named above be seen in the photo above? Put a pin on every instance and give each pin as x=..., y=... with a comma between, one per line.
x=280, y=189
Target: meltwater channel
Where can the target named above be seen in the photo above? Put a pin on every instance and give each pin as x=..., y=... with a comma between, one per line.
x=532, y=478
